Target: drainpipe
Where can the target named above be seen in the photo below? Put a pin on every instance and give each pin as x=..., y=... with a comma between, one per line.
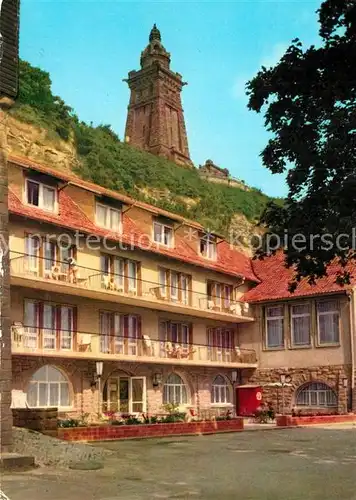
x=352, y=332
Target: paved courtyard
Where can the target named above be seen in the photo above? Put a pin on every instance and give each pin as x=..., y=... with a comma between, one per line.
x=294, y=464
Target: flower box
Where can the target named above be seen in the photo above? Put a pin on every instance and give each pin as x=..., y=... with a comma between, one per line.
x=112, y=432
x=289, y=421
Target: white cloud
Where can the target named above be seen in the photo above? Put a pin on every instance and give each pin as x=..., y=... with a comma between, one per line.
x=268, y=60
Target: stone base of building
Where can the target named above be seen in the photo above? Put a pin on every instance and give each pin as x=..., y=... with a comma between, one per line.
x=283, y=399
x=87, y=402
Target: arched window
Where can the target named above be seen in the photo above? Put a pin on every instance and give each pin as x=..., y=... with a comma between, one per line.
x=220, y=391
x=316, y=394
x=174, y=390
x=48, y=387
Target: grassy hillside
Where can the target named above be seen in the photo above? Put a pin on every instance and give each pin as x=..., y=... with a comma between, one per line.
x=105, y=160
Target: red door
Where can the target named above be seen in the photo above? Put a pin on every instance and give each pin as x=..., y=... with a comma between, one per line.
x=248, y=399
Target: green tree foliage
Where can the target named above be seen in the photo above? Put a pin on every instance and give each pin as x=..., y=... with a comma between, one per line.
x=309, y=105
x=105, y=160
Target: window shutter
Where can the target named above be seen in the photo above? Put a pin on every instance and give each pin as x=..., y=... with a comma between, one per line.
x=39, y=315
x=139, y=327
x=190, y=340
x=9, y=47
x=58, y=326
x=126, y=325
x=75, y=327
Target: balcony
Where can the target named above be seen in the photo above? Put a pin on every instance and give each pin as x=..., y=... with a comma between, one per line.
x=41, y=273
x=53, y=343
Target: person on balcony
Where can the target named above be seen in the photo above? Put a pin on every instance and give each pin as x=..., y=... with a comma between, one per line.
x=72, y=270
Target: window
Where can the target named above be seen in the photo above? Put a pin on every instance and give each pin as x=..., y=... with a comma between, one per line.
x=119, y=333
x=177, y=333
x=163, y=281
x=132, y=275
x=274, y=326
x=208, y=246
x=48, y=387
x=219, y=295
x=328, y=322
x=220, y=391
x=118, y=274
x=300, y=324
x=32, y=249
x=162, y=234
x=174, y=286
x=49, y=326
x=316, y=394
x=174, y=390
x=220, y=344
x=108, y=217
x=41, y=196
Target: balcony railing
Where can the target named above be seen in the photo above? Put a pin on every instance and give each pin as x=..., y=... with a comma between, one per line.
x=94, y=279
x=78, y=344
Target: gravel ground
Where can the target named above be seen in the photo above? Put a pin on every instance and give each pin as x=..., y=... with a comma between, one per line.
x=51, y=451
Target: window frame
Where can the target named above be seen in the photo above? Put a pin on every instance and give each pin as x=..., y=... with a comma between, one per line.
x=227, y=392
x=309, y=390
x=337, y=311
x=41, y=186
x=266, y=319
x=183, y=389
x=48, y=384
x=40, y=332
x=108, y=209
x=292, y=316
x=163, y=227
x=211, y=250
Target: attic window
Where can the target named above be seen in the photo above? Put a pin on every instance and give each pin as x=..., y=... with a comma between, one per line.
x=163, y=234
x=208, y=246
x=108, y=217
x=40, y=195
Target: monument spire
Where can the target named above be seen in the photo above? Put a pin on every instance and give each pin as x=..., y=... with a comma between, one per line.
x=155, y=119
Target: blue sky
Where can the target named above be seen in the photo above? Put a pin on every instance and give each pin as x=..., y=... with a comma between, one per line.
x=89, y=47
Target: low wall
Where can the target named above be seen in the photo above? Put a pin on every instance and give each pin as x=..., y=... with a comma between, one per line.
x=44, y=420
x=288, y=421
x=102, y=433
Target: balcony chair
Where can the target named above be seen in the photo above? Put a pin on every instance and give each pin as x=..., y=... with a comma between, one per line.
x=147, y=345
x=106, y=282
x=17, y=331
x=236, y=309
x=210, y=304
x=84, y=342
x=238, y=353
x=245, y=307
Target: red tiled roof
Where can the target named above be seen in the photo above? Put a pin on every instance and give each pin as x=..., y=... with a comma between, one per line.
x=274, y=278
x=74, y=179
x=70, y=216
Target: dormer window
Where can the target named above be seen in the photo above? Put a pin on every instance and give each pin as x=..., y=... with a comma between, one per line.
x=208, y=246
x=108, y=217
x=40, y=195
x=163, y=234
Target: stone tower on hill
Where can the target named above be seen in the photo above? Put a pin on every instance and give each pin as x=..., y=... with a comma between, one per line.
x=155, y=119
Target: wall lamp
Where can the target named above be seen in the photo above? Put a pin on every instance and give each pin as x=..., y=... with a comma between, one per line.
x=157, y=379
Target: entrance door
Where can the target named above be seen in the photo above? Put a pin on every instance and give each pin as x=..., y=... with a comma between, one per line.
x=125, y=394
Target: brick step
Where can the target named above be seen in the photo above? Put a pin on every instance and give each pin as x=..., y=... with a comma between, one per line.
x=11, y=461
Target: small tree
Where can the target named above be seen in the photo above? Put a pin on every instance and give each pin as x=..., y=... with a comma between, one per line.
x=309, y=105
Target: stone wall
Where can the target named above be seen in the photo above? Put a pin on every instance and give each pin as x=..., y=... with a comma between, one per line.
x=331, y=375
x=44, y=420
